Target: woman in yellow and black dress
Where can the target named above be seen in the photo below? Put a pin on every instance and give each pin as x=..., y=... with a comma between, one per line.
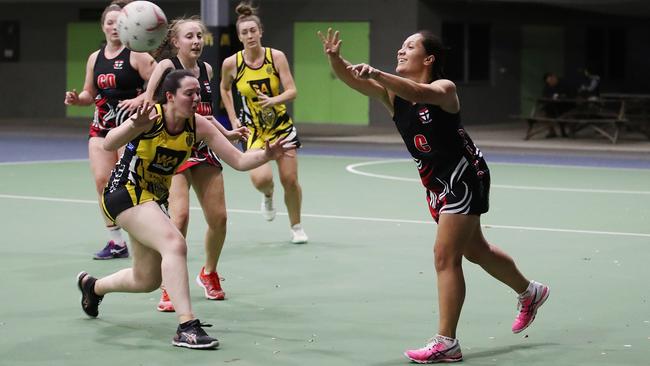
x=158, y=141
x=258, y=73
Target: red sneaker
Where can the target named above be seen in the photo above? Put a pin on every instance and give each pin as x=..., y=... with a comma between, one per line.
x=165, y=305
x=211, y=285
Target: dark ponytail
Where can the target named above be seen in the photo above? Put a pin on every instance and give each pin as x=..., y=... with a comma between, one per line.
x=433, y=46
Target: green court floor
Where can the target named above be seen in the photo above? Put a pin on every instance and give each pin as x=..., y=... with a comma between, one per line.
x=360, y=292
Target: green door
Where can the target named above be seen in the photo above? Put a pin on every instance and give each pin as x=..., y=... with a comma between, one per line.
x=83, y=39
x=542, y=50
x=322, y=98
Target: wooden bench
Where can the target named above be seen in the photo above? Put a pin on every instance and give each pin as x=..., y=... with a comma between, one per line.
x=605, y=117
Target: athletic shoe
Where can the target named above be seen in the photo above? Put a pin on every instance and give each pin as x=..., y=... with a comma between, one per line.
x=165, y=304
x=528, y=306
x=268, y=211
x=211, y=285
x=437, y=350
x=298, y=235
x=191, y=335
x=112, y=250
x=89, y=299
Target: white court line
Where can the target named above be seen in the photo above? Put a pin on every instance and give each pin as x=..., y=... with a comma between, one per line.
x=352, y=168
x=357, y=218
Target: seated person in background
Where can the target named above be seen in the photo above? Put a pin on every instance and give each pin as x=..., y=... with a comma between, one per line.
x=589, y=85
x=554, y=89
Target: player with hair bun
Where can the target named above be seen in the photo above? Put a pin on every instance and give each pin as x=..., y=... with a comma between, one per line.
x=258, y=74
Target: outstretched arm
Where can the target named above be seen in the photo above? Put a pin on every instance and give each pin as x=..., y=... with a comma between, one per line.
x=332, y=48
x=440, y=92
x=138, y=123
x=208, y=133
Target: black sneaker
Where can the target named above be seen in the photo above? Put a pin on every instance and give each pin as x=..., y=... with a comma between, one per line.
x=89, y=299
x=191, y=335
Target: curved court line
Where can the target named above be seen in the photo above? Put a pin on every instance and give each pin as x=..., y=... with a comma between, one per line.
x=352, y=168
x=357, y=218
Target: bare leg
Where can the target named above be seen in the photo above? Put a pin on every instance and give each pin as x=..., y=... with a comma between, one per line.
x=208, y=184
x=453, y=233
x=179, y=200
x=288, y=168
x=101, y=164
x=149, y=226
x=494, y=261
x=262, y=179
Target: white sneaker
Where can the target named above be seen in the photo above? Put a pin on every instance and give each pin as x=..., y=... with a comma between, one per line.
x=298, y=235
x=268, y=211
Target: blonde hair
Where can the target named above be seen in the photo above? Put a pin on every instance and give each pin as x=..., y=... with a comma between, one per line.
x=166, y=48
x=246, y=12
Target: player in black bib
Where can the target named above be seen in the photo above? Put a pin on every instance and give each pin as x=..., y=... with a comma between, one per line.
x=426, y=112
x=203, y=171
x=114, y=82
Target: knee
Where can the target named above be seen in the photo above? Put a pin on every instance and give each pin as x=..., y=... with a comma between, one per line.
x=218, y=221
x=261, y=182
x=290, y=182
x=445, y=258
x=175, y=245
x=148, y=282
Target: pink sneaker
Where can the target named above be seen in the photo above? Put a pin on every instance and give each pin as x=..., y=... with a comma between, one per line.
x=528, y=306
x=211, y=285
x=438, y=350
x=165, y=305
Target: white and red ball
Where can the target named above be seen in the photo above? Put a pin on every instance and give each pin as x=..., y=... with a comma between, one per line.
x=142, y=26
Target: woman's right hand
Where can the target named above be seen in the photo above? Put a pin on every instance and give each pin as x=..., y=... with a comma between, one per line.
x=71, y=97
x=331, y=42
x=143, y=117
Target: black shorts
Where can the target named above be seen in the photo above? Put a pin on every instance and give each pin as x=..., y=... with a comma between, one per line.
x=464, y=191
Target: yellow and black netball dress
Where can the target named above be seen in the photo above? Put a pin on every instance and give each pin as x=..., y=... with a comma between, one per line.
x=264, y=123
x=145, y=170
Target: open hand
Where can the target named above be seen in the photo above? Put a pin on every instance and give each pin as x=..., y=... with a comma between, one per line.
x=363, y=71
x=130, y=105
x=278, y=149
x=143, y=116
x=331, y=42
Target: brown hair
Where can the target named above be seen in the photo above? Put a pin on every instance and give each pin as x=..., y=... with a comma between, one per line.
x=246, y=12
x=171, y=81
x=115, y=5
x=166, y=48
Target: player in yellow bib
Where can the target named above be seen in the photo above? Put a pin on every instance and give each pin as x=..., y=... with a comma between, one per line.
x=158, y=140
x=258, y=73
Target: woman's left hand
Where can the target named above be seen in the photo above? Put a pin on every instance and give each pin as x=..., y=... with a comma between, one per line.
x=363, y=71
x=239, y=134
x=264, y=100
x=278, y=149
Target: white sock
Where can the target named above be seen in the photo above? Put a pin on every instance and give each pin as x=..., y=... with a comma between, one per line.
x=528, y=291
x=448, y=341
x=297, y=226
x=115, y=234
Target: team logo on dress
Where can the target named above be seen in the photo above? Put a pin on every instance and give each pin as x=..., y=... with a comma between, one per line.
x=206, y=86
x=424, y=115
x=261, y=86
x=269, y=70
x=118, y=64
x=165, y=161
x=189, y=139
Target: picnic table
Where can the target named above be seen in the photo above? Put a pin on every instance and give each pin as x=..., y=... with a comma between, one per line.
x=607, y=115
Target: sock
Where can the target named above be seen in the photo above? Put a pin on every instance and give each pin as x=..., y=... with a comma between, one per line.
x=115, y=234
x=297, y=226
x=448, y=341
x=528, y=291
